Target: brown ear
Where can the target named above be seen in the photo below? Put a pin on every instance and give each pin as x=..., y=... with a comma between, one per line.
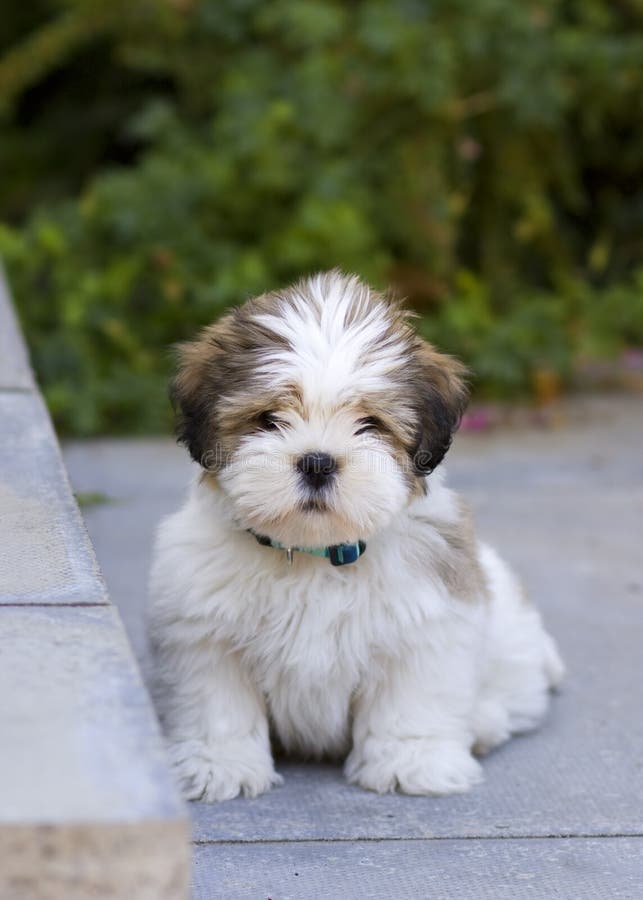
x=441, y=398
x=195, y=393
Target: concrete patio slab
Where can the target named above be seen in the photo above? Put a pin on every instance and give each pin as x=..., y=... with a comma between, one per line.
x=123, y=524
x=421, y=870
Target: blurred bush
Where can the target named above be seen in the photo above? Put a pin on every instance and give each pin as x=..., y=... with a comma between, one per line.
x=162, y=159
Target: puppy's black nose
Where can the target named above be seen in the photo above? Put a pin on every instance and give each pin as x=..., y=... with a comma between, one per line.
x=316, y=469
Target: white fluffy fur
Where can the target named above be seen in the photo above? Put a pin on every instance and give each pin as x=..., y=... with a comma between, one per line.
x=376, y=661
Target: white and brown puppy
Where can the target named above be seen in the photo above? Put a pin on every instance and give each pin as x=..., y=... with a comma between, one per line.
x=321, y=583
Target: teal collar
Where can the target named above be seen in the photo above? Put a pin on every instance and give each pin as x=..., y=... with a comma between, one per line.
x=338, y=554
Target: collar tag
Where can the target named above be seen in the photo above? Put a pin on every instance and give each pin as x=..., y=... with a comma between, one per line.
x=289, y=555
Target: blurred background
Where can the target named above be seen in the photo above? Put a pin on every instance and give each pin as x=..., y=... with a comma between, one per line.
x=163, y=159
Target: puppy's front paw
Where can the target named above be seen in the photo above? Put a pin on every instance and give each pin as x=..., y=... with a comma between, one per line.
x=413, y=766
x=213, y=772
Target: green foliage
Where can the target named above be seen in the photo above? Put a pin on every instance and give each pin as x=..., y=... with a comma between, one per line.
x=163, y=159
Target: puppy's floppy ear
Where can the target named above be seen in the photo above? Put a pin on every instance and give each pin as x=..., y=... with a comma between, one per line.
x=195, y=392
x=441, y=396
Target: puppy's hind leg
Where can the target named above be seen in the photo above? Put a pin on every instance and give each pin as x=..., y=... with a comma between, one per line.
x=215, y=722
x=522, y=662
x=412, y=729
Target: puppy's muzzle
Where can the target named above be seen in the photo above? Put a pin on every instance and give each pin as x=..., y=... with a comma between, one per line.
x=316, y=469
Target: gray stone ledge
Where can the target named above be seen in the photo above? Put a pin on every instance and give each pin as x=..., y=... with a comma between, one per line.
x=15, y=372
x=78, y=862
x=45, y=553
x=79, y=742
x=87, y=807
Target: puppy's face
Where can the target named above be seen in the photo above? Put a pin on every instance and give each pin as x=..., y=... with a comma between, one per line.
x=318, y=409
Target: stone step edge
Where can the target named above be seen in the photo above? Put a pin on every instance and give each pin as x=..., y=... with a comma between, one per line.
x=51, y=857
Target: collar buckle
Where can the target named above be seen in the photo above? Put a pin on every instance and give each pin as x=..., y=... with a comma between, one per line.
x=344, y=554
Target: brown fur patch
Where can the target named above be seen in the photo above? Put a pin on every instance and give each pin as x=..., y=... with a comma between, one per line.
x=217, y=392
x=440, y=397
x=456, y=560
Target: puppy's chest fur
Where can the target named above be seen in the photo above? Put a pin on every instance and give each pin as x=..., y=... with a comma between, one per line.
x=316, y=631
x=307, y=657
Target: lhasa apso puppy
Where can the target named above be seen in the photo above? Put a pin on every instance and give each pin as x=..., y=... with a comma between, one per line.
x=322, y=586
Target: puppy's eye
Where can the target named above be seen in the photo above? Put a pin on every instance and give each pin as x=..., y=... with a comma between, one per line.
x=268, y=421
x=370, y=423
